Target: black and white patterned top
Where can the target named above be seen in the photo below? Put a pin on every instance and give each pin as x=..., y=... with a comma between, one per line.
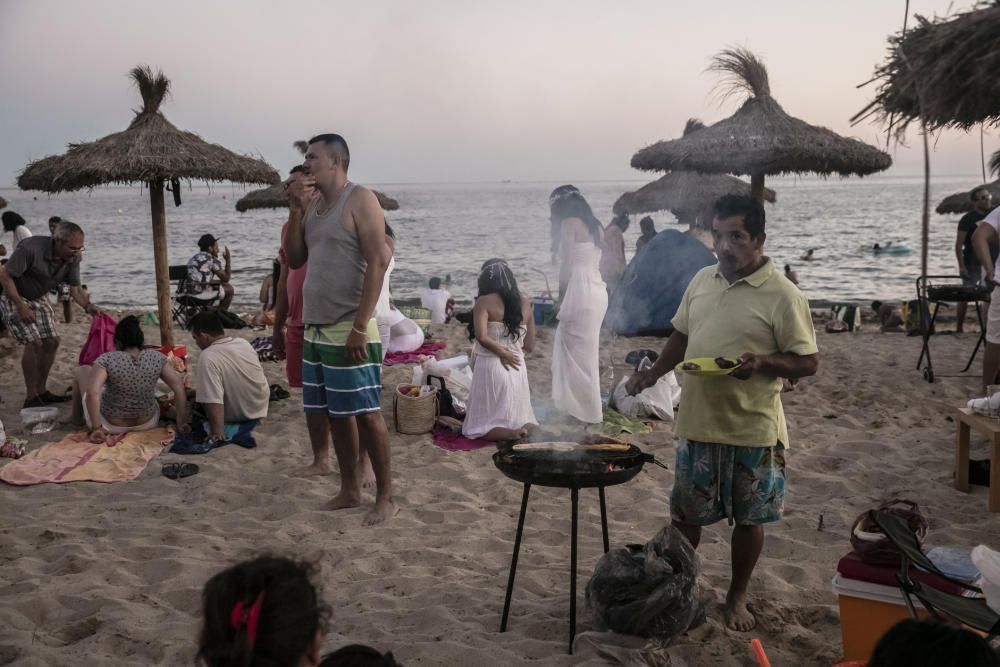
x=201, y=270
x=130, y=391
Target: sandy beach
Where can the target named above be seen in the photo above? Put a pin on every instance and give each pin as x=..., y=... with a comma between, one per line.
x=111, y=574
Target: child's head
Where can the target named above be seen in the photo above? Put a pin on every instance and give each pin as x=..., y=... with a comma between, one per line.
x=930, y=642
x=876, y=305
x=435, y=283
x=262, y=611
x=358, y=655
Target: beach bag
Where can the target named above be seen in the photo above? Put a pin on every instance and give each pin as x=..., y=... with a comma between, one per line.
x=871, y=544
x=414, y=408
x=446, y=407
x=849, y=315
x=101, y=339
x=917, y=317
x=648, y=590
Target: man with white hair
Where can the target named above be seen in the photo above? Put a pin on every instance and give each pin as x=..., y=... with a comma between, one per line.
x=36, y=266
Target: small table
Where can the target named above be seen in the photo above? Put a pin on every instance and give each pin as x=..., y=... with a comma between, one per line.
x=966, y=419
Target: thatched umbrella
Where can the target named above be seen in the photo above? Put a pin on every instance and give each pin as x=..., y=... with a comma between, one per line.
x=152, y=151
x=3, y=203
x=943, y=72
x=276, y=197
x=686, y=194
x=760, y=138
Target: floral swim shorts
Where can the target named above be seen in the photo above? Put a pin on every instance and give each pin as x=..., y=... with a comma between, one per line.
x=745, y=485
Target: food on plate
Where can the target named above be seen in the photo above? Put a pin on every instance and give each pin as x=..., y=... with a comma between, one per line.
x=690, y=366
x=722, y=362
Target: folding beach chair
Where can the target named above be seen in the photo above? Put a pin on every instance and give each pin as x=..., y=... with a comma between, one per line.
x=186, y=306
x=970, y=611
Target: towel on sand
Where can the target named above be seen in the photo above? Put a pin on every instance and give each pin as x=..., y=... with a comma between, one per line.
x=429, y=349
x=454, y=441
x=75, y=459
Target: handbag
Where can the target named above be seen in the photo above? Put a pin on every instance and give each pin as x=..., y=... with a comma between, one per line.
x=445, y=407
x=101, y=339
x=871, y=544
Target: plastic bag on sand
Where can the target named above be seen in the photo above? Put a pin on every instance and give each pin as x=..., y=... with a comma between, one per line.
x=458, y=379
x=987, y=561
x=657, y=401
x=649, y=590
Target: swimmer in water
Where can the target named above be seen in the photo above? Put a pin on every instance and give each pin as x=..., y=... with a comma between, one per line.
x=808, y=256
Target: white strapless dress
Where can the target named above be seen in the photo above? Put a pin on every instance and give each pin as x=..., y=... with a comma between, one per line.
x=576, y=374
x=498, y=397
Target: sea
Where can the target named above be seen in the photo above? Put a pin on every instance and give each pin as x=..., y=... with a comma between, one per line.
x=448, y=229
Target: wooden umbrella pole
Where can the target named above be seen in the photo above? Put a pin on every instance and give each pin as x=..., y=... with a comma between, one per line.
x=757, y=186
x=160, y=261
x=926, y=219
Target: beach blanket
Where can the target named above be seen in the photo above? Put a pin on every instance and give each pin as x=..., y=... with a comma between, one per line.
x=454, y=441
x=197, y=442
x=120, y=458
x=428, y=349
x=263, y=346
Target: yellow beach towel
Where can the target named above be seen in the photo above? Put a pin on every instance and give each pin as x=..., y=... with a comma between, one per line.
x=76, y=459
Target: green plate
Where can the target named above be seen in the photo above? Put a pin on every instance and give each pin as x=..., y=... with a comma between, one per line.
x=708, y=367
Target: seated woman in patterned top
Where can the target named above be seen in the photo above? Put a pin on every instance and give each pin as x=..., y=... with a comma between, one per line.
x=120, y=388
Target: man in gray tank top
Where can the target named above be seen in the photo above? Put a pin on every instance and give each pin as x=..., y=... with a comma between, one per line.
x=341, y=233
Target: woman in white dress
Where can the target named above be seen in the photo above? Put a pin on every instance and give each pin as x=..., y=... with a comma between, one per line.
x=576, y=237
x=14, y=223
x=383, y=308
x=499, y=404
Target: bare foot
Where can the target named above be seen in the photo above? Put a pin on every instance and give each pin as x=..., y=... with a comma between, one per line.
x=367, y=474
x=344, y=500
x=383, y=510
x=738, y=617
x=314, y=470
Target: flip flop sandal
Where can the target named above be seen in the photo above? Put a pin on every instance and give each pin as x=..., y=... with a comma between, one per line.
x=49, y=397
x=179, y=470
x=278, y=393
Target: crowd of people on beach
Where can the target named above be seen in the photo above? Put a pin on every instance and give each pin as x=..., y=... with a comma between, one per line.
x=328, y=298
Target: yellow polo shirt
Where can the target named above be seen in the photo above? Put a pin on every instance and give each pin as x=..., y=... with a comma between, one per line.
x=763, y=313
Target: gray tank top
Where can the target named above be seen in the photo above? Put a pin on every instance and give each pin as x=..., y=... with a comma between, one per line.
x=336, y=271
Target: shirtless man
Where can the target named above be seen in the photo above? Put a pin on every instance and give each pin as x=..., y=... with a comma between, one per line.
x=342, y=235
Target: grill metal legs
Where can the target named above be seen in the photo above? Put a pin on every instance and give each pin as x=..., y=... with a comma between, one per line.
x=574, y=530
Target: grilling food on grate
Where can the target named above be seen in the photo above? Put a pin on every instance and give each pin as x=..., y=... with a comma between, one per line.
x=722, y=362
x=570, y=446
x=690, y=366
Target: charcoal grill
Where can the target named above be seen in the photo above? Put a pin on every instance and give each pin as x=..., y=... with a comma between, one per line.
x=947, y=289
x=583, y=469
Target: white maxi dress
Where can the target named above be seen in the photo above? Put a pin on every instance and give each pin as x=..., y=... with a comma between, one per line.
x=576, y=374
x=498, y=397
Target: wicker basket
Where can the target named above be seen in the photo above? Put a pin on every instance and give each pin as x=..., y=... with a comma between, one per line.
x=414, y=415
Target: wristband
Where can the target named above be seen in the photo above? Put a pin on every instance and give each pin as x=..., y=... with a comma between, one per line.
x=360, y=333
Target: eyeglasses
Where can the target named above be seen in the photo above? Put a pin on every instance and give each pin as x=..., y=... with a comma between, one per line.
x=985, y=197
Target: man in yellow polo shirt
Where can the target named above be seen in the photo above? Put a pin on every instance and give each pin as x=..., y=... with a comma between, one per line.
x=731, y=428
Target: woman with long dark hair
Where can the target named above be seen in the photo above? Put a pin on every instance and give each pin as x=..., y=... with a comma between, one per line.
x=576, y=240
x=118, y=393
x=268, y=295
x=499, y=404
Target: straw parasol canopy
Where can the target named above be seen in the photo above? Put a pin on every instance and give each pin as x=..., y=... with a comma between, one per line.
x=960, y=202
x=276, y=197
x=3, y=203
x=686, y=194
x=760, y=138
x=943, y=71
x=151, y=150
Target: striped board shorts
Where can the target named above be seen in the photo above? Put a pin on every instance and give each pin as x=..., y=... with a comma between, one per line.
x=44, y=325
x=333, y=383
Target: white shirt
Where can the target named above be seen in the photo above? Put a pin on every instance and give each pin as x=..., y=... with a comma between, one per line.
x=20, y=233
x=436, y=300
x=993, y=220
x=228, y=372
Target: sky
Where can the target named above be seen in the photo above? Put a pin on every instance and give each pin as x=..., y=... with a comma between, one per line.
x=444, y=91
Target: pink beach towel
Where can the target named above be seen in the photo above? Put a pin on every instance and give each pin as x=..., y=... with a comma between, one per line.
x=75, y=459
x=431, y=349
x=453, y=441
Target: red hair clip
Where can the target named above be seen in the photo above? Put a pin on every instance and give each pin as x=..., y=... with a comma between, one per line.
x=243, y=616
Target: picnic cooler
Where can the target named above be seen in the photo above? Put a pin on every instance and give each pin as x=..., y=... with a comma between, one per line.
x=414, y=414
x=871, y=603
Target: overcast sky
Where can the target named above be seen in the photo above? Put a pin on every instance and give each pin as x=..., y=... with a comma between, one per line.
x=430, y=90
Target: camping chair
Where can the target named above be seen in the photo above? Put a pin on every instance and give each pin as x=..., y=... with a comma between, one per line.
x=972, y=612
x=186, y=306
